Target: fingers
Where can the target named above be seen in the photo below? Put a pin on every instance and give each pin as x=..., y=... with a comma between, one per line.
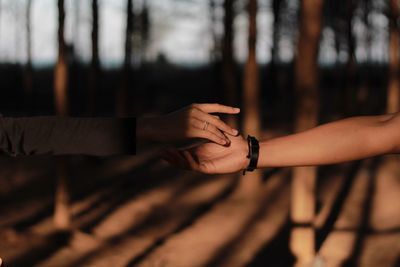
x=202, y=116
x=217, y=108
x=211, y=128
x=202, y=126
x=211, y=132
x=213, y=138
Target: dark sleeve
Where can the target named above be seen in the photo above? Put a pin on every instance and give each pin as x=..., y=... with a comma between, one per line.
x=67, y=136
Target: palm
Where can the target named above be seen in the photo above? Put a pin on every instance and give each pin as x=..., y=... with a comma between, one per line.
x=214, y=158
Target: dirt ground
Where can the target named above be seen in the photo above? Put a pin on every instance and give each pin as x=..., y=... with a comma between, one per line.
x=140, y=212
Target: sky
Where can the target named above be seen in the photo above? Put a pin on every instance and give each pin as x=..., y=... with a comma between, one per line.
x=180, y=30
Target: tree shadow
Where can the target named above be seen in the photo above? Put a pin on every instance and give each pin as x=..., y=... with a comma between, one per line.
x=79, y=189
x=40, y=251
x=362, y=230
x=337, y=206
x=190, y=221
x=125, y=191
x=224, y=252
x=277, y=252
x=153, y=220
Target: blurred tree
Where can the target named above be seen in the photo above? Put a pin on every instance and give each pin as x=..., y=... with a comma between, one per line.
x=362, y=94
x=307, y=109
x=228, y=63
x=251, y=91
x=275, y=77
x=276, y=9
x=123, y=91
x=393, y=94
x=61, y=69
x=77, y=22
x=95, y=62
x=144, y=29
x=215, y=53
x=350, y=70
x=28, y=77
x=341, y=18
x=62, y=217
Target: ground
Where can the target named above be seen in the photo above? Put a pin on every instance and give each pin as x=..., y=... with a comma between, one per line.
x=141, y=212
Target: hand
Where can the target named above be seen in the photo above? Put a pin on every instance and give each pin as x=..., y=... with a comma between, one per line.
x=194, y=121
x=211, y=158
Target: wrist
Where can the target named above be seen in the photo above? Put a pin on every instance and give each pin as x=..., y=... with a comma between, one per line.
x=242, y=153
x=253, y=154
x=246, y=160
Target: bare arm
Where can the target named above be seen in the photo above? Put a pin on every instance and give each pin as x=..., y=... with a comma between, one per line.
x=336, y=142
x=341, y=141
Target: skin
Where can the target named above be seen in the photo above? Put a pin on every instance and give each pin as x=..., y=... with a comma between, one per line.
x=341, y=141
x=188, y=123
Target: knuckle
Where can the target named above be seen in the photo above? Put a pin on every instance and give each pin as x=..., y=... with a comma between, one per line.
x=192, y=111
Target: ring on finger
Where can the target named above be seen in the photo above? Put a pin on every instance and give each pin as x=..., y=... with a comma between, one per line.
x=205, y=127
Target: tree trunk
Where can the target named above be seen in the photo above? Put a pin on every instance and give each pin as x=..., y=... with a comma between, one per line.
x=251, y=92
x=274, y=84
x=144, y=31
x=362, y=101
x=95, y=63
x=61, y=70
x=228, y=62
x=276, y=8
x=123, y=91
x=350, y=87
x=307, y=107
x=393, y=93
x=62, y=217
x=216, y=45
x=28, y=79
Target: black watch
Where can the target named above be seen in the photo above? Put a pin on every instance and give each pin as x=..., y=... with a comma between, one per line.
x=254, y=151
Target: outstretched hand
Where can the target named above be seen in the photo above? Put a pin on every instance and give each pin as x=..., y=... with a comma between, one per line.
x=194, y=121
x=211, y=158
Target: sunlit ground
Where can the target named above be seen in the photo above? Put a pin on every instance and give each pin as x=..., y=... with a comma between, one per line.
x=140, y=212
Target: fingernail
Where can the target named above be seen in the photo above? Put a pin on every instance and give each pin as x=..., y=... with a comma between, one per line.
x=235, y=132
x=237, y=109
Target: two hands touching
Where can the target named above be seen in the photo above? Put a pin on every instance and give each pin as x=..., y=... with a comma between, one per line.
x=200, y=140
x=211, y=158
x=192, y=122
x=226, y=151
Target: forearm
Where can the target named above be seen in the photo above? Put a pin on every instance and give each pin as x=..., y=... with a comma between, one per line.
x=336, y=142
x=67, y=136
